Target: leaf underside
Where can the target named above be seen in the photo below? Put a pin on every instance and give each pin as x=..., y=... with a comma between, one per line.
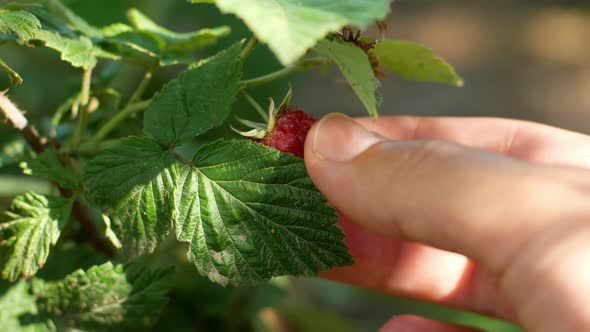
x=355, y=66
x=291, y=27
x=415, y=62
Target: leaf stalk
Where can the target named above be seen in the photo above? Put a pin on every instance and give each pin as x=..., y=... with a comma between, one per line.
x=85, y=103
x=286, y=71
x=126, y=112
x=250, y=46
x=138, y=93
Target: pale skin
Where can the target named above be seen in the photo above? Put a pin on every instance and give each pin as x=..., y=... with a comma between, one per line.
x=417, y=196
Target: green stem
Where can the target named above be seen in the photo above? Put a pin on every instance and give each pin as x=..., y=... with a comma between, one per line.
x=132, y=106
x=301, y=65
x=84, y=102
x=117, y=119
x=88, y=149
x=252, y=42
x=256, y=106
x=60, y=112
x=138, y=93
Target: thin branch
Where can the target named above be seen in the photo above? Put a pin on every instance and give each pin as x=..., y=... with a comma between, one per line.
x=20, y=122
x=90, y=231
x=138, y=93
x=84, y=103
x=301, y=65
x=117, y=119
x=12, y=113
x=88, y=149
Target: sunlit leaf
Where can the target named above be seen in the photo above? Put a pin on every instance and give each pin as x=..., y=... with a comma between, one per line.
x=415, y=62
x=248, y=212
x=104, y=297
x=22, y=23
x=28, y=230
x=176, y=41
x=291, y=27
x=133, y=182
x=79, y=52
x=198, y=100
x=356, y=68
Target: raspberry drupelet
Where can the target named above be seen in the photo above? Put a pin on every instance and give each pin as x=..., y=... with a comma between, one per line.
x=290, y=132
x=285, y=130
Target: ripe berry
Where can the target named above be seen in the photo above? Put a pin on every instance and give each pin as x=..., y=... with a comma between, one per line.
x=286, y=128
x=290, y=132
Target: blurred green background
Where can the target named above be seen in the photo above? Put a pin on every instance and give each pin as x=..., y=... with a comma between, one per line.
x=520, y=59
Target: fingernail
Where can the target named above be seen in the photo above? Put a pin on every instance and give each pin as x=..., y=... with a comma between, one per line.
x=339, y=138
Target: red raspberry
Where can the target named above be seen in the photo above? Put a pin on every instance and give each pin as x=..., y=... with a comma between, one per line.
x=290, y=132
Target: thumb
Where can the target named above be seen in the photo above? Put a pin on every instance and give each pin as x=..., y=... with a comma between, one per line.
x=441, y=194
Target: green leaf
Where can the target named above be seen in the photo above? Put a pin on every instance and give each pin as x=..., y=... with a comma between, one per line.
x=17, y=308
x=131, y=45
x=148, y=43
x=79, y=52
x=142, y=47
x=184, y=42
x=248, y=212
x=14, y=77
x=198, y=100
x=59, y=17
x=49, y=21
x=415, y=62
x=251, y=213
x=356, y=67
x=291, y=27
x=105, y=297
x=132, y=182
x=28, y=230
x=24, y=24
x=57, y=8
x=47, y=165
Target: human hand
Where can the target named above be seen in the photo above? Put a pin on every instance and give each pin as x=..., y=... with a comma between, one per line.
x=512, y=196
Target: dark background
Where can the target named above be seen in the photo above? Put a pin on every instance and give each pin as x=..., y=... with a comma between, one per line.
x=520, y=59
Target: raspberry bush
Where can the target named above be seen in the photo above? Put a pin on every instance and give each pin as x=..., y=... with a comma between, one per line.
x=131, y=210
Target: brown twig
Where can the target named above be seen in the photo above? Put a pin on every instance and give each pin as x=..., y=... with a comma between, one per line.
x=90, y=231
x=20, y=122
